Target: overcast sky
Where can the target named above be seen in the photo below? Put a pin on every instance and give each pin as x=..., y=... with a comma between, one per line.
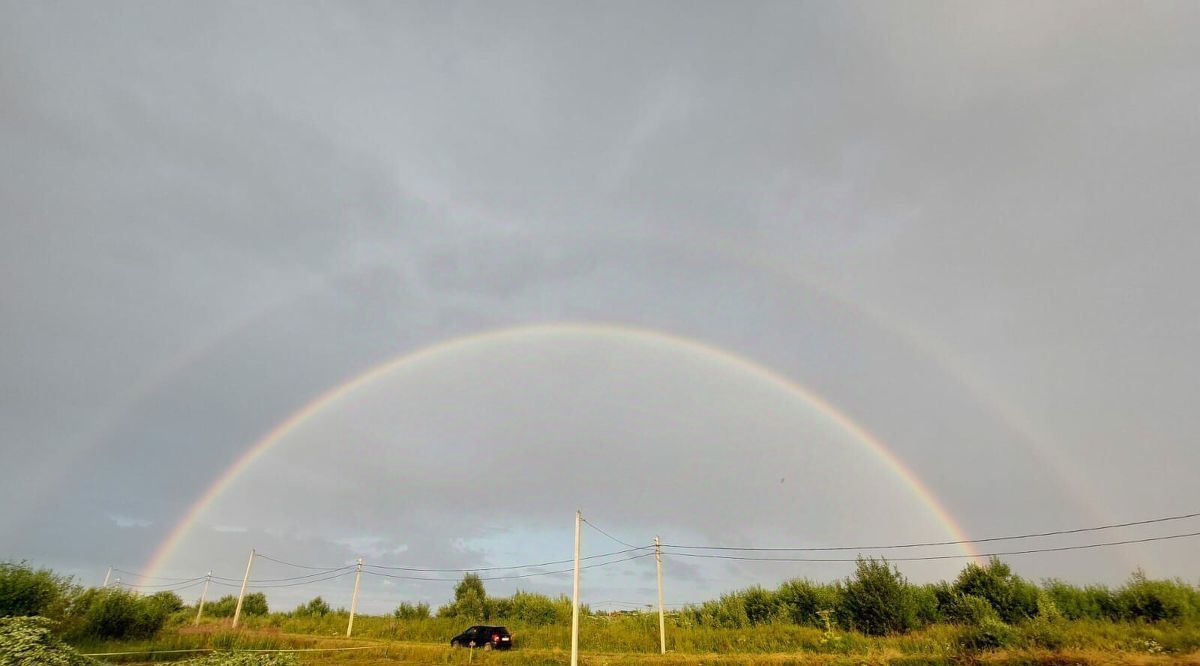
x=971, y=228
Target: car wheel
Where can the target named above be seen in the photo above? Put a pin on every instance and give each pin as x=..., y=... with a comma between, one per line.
x=487, y=646
x=454, y=643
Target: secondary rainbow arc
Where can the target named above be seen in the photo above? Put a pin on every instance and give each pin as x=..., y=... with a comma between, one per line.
x=340, y=391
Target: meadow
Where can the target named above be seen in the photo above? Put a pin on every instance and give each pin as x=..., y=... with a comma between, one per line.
x=988, y=614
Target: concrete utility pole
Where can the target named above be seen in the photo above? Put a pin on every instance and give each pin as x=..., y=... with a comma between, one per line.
x=575, y=598
x=106, y=575
x=203, y=595
x=662, y=632
x=237, y=612
x=354, y=599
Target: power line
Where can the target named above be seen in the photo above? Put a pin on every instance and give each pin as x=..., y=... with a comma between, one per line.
x=512, y=577
x=938, y=557
x=172, y=587
x=298, y=566
x=593, y=526
x=145, y=577
x=346, y=569
x=504, y=568
x=942, y=543
x=251, y=584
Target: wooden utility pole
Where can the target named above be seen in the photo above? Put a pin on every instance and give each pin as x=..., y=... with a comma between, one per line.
x=662, y=624
x=354, y=599
x=575, y=598
x=106, y=575
x=203, y=595
x=237, y=612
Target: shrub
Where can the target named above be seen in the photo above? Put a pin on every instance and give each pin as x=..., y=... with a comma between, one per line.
x=991, y=634
x=877, y=599
x=1157, y=600
x=1094, y=602
x=25, y=591
x=537, y=609
x=27, y=641
x=970, y=609
x=801, y=601
x=727, y=612
x=407, y=611
x=316, y=607
x=1013, y=597
x=927, y=605
x=759, y=604
x=254, y=604
x=113, y=613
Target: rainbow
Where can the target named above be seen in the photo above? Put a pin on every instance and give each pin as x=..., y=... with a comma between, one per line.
x=364, y=379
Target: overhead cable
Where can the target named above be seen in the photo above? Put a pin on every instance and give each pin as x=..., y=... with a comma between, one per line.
x=935, y=557
x=941, y=543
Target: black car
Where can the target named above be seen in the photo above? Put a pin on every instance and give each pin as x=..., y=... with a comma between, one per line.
x=486, y=637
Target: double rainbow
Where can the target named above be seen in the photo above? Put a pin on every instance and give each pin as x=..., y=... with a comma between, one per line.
x=532, y=333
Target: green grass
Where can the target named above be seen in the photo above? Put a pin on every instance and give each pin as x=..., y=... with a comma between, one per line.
x=634, y=639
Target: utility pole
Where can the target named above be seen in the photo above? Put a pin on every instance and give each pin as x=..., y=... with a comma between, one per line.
x=662, y=624
x=203, y=594
x=106, y=575
x=237, y=612
x=354, y=599
x=575, y=598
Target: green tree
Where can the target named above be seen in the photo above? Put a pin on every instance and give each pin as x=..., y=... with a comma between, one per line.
x=877, y=599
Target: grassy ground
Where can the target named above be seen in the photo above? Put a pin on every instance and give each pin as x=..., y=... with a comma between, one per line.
x=627, y=642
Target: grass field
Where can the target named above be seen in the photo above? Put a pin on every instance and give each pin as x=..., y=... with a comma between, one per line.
x=398, y=642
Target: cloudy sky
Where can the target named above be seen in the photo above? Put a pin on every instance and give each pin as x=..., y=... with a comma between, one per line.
x=681, y=266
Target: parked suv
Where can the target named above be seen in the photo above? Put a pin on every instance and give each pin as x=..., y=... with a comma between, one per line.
x=486, y=637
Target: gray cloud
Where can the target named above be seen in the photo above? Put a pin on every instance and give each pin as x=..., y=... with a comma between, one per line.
x=969, y=226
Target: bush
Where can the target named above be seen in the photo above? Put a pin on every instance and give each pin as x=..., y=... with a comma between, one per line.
x=254, y=604
x=970, y=609
x=728, y=612
x=537, y=609
x=27, y=641
x=877, y=599
x=927, y=605
x=759, y=604
x=407, y=611
x=316, y=607
x=1013, y=597
x=25, y=592
x=113, y=613
x=1094, y=602
x=991, y=634
x=801, y=601
x=1157, y=600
